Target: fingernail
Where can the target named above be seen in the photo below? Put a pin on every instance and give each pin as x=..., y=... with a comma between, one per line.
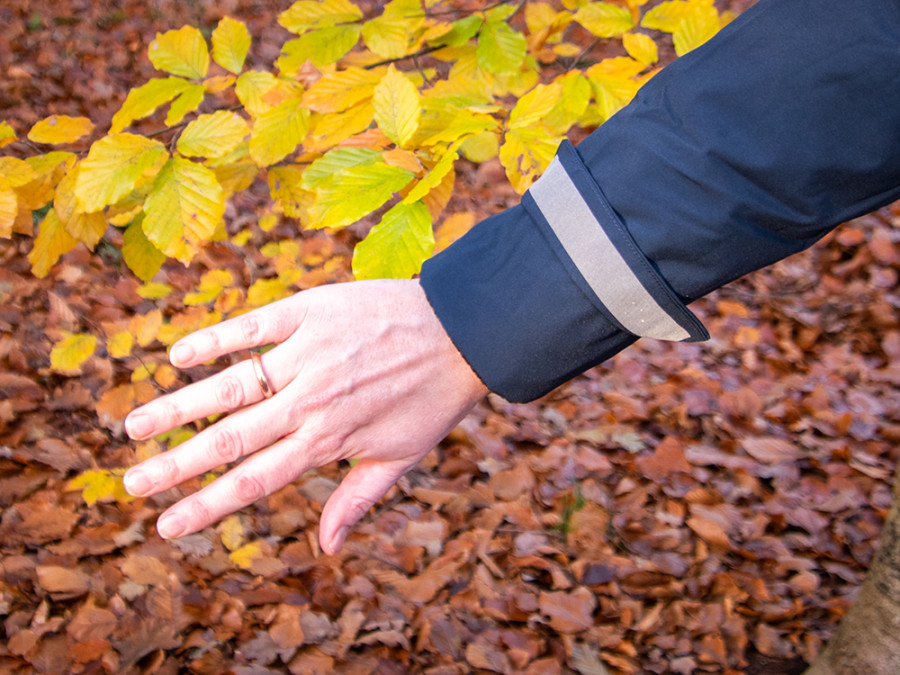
x=136, y=482
x=139, y=426
x=170, y=526
x=181, y=353
x=338, y=539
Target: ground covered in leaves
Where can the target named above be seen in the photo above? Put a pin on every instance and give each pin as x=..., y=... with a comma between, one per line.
x=684, y=508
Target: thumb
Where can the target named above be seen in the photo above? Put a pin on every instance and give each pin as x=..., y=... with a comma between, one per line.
x=364, y=485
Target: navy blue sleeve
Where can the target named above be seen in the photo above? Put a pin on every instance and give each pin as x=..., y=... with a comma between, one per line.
x=740, y=153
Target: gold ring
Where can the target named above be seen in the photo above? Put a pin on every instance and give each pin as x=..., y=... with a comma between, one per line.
x=264, y=384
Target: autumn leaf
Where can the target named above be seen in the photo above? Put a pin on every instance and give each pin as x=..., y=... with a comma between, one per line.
x=501, y=49
x=321, y=47
x=355, y=192
x=52, y=242
x=139, y=253
x=71, y=352
x=397, y=108
x=180, y=52
x=144, y=100
x=246, y=555
x=306, y=15
x=58, y=129
x=695, y=28
x=9, y=207
x=119, y=344
x=100, y=485
x=231, y=42
x=213, y=136
x=113, y=167
x=7, y=134
x=278, y=131
x=641, y=48
x=397, y=246
x=570, y=612
x=604, y=19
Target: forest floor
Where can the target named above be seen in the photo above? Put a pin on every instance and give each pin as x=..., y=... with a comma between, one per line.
x=683, y=508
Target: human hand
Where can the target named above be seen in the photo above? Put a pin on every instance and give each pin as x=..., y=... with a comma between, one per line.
x=361, y=371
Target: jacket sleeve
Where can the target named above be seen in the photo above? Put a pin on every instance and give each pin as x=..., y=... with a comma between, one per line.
x=740, y=153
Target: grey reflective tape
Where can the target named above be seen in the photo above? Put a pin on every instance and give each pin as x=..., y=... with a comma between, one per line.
x=598, y=260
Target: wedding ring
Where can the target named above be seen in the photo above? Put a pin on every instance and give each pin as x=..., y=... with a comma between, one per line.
x=261, y=378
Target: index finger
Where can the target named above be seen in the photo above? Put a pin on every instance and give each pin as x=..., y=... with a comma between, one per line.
x=267, y=325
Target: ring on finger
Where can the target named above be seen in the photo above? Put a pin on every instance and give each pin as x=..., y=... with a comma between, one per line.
x=264, y=385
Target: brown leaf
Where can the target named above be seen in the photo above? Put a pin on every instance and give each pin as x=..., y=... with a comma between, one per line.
x=91, y=623
x=62, y=580
x=665, y=460
x=770, y=450
x=710, y=531
x=146, y=570
x=569, y=612
x=487, y=657
x=285, y=630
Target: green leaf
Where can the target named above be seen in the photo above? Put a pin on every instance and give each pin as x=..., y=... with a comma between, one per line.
x=605, y=20
x=277, y=132
x=183, y=209
x=321, y=47
x=144, y=100
x=307, y=15
x=397, y=246
x=231, y=42
x=500, y=48
x=52, y=242
x=139, y=253
x=356, y=192
x=324, y=169
x=113, y=167
x=213, y=136
x=397, y=107
x=180, y=52
x=463, y=30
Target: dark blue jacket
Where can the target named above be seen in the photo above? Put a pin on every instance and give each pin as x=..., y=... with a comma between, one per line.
x=740, y=153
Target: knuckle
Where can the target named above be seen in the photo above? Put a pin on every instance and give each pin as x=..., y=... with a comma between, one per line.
x=215, y=341
x=229, y=393
x=248, y=488
x=225, y=445
x=357, y=507
x=250, y=328
x=168, y=470
x=174, y=413
x=200, y=512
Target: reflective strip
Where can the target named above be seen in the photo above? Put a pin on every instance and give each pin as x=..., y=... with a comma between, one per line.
x=598, y=260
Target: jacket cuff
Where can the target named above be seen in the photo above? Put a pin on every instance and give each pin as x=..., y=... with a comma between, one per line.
x=541, y=292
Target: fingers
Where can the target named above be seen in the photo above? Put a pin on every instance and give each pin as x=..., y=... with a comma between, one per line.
x=268, y=325
x=235, y=387
x=258, y=476
x=361, y=488
x=236, y=436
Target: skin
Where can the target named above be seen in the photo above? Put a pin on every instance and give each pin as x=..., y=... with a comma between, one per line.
x=361, y=371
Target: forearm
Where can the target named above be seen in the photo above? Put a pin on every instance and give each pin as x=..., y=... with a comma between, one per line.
x=737, y=155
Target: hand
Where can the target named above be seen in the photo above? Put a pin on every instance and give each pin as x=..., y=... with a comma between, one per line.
x=361, y=371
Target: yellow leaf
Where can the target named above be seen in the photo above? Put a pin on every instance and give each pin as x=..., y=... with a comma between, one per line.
x=100, y=485
x=612, y=90
x=306, y=14
x=481, y=147
x=187, y=102
x=119, y=344
x=16, y=171
x=180, y=52
x=325, y=168
x=247, y=554
x=534, y=105
x=232, y=532
x=112, y=168
x=320, y=47
x=397, y=107
x=389, y=38
x=337, y=91
x=576, y=94
x=397, y=246
x=666, y=16
x=211, y=285
x=9, y=207
x=604, y=19
x=154, y=291
x=264, y=291
x=60, y=129
x=698, y=26
x=329, y=130
x=183, y=209
x=71, y=352
x=143, y=372
x=356, y=192
x=52, y=242
x=525, y=154
x=285, y=187
x=214, y=135
x=231, y=42
x=7, y=134
x=434, y=177
x=251, y=87
x=641, y=48
x=145, y=327
x=85, y=227
x=277, y=132
x=139, y=253
x=144, y=100
x=218, y=84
